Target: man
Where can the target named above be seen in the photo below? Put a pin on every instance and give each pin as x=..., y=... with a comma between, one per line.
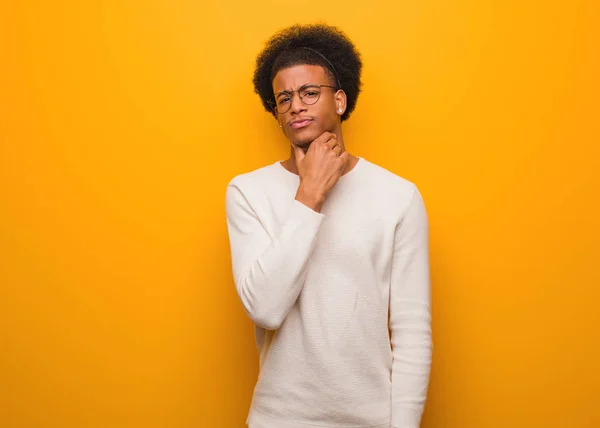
x=329, y=254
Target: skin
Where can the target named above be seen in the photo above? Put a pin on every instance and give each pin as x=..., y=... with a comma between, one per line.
x=317, y=152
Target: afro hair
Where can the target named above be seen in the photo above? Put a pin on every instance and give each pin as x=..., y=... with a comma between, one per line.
x=315, y=44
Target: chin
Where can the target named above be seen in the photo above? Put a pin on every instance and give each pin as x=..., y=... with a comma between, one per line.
x=303, y=143
x=304, y=139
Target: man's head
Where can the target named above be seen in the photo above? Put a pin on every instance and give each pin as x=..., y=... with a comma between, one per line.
x=308, y=78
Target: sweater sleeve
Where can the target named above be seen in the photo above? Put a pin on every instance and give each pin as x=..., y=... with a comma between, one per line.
x=269, y=271
x=410, y=319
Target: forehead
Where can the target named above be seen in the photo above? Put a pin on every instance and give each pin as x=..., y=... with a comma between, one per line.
x=292, y=78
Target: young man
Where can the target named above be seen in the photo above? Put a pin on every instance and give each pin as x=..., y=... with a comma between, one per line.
x=330, y=255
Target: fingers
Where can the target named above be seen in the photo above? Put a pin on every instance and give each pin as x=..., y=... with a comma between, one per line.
x=333, y=142
x=333, y=145
x=344, y=157
x=326, y=142
x=324, y=138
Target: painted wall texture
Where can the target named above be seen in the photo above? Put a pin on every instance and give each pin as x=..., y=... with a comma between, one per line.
x=121, y=123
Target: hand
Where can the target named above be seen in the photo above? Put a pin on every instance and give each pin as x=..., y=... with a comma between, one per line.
x=319, y=169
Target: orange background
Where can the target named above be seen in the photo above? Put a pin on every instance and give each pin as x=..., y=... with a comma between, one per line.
x=122, y=122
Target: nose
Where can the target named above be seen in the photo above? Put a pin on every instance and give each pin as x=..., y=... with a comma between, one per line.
x=297, y=104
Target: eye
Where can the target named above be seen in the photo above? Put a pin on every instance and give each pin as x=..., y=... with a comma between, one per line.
x=283, y=100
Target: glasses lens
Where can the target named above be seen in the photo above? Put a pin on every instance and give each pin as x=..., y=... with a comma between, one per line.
x=283, y=103
x=310, y=94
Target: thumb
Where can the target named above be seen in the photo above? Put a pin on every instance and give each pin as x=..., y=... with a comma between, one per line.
x=298, y=153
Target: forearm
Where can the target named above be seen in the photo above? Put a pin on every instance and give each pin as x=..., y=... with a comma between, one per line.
x=269, y=269
x=270, y=285
x=311, y=196
x=412, y=352
x=410, y=316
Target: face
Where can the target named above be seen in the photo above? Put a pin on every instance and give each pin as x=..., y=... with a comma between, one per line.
x=303, y=123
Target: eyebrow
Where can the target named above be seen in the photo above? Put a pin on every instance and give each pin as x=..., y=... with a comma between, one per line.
x=287, y=92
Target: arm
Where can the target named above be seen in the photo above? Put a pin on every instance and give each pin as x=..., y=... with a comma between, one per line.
x=269, y=272
x=410, y=319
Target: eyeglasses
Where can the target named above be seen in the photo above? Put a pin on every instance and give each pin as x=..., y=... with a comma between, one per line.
x=309, y=95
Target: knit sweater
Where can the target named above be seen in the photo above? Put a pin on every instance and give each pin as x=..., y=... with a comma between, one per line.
x=340, y=299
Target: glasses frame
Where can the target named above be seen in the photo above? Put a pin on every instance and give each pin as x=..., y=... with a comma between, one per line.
x=273, y=103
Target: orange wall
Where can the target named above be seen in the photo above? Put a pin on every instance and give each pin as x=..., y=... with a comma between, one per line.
x=122, y=122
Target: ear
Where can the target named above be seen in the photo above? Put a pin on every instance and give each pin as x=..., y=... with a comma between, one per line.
x=340, y=102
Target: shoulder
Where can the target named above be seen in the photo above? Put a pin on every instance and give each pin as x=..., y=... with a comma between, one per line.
x=257, y=180
x=260, y=175
x=257, y=187
x=398, y=196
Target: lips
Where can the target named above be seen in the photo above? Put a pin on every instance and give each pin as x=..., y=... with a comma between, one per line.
x=300, y=123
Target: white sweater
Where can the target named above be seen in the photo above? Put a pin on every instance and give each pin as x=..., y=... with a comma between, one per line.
x=340, y=299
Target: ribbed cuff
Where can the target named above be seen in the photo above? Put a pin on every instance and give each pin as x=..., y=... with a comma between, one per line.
x=406, y=418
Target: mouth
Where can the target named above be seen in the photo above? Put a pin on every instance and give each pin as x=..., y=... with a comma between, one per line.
x=297, y=124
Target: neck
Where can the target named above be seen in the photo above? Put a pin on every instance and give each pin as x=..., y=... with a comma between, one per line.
x=290, y=164
x=338, y=137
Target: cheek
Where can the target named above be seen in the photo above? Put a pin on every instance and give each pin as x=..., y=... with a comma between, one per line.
x=326, y=112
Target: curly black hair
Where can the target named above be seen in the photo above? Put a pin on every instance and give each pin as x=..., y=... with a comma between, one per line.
x=314, y=44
